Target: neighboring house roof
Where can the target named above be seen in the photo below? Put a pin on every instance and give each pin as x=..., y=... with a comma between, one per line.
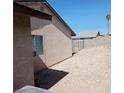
x=31, y=12
x=90, y=34
x=50, y=7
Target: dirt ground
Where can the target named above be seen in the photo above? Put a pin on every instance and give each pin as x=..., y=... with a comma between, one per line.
x=88, y=71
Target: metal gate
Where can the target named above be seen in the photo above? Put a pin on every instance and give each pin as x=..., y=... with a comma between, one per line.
x=77, y=45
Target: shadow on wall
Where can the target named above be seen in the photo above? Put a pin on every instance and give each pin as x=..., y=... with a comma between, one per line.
x=48, y=77
x=38, y=64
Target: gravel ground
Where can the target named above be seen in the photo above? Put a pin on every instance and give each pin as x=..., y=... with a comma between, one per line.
x=88, y=72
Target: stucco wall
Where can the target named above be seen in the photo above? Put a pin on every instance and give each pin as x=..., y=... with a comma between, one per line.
x=56, y=38
x=23, y=63
x=57, y=43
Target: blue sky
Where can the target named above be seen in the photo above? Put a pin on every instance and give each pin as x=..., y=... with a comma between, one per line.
x=83, y=15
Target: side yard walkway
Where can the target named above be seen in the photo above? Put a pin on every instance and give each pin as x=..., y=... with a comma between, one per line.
x=88, y=71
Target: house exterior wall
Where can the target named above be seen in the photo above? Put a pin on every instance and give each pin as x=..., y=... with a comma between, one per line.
x=56, y=39
x=23, y=63
x=57, y=42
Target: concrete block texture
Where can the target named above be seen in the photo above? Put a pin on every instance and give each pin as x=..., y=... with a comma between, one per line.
x=31, y=89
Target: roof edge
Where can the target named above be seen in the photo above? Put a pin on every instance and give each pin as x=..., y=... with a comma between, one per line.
x=53, y=10
x=28, y=0
x=29, y=11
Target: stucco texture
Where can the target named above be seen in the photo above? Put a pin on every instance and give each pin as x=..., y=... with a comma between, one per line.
x=22, y=49
x=57, y=44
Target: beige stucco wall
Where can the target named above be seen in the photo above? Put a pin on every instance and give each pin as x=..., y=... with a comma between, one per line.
x=56, y=38
x=23, y=63
x=57, y=43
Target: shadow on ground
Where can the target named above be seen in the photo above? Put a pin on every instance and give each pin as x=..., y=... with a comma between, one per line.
x=48, y=77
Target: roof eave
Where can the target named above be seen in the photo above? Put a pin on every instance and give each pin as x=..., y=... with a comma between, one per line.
x=50, y=7
x=27, y=0
x=31, y=12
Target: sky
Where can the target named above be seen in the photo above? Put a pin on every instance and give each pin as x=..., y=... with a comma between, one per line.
x=83, y=15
